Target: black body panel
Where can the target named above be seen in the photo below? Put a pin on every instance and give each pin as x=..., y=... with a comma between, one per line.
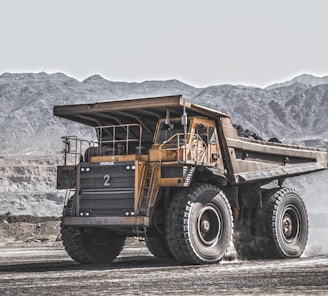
x=107, y=189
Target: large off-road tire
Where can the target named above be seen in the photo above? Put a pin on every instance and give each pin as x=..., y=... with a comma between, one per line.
x=244, y=238
x=199, y=224
x=157, y=246
x=92, y=245
x=282, y=225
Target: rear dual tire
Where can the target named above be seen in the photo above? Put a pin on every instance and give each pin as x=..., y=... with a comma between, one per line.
x=282, y=225
x=278, y=230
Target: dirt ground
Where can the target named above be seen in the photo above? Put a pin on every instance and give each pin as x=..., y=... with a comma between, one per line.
x=34, y=262
x=29, y=231
x=49, y=271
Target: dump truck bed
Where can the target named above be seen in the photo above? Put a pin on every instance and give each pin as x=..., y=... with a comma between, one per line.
x=146, y=112
x=260, y=160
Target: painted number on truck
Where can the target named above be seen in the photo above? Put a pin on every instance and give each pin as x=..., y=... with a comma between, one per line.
x=107, y=179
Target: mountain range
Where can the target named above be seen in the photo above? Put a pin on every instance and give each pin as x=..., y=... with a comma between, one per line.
x=294, y=111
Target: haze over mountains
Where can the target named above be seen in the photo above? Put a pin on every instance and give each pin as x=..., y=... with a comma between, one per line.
x=294, y=111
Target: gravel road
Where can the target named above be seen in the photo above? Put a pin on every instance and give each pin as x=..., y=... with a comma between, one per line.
x=49, y=271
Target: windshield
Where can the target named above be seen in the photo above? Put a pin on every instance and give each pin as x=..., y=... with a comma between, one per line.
x=168, y=130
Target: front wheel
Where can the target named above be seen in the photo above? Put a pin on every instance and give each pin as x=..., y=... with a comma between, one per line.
x=282, y=225
x=92, y=245
x=199, y=225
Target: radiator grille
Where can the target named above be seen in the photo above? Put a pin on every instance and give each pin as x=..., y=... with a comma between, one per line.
x=107, y=190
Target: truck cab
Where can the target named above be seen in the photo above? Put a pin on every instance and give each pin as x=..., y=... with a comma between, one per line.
x=197, y=142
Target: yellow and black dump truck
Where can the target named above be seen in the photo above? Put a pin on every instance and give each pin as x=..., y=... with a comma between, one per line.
x=177, y=175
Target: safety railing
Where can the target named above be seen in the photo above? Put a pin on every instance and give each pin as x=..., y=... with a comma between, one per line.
x=119, y=139
x=184, y=147
x=74, y=149
x=113, y=140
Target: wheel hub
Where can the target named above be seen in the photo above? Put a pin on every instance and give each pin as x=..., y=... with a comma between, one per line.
x=205, y=226
x=287, y=225
x=209, y=225
x=290, y=224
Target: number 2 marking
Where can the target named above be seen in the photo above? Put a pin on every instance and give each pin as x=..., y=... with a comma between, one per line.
x=107, y=179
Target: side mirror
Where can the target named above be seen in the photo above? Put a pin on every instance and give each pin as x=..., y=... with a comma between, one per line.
x=184, y=119
x=167, y=118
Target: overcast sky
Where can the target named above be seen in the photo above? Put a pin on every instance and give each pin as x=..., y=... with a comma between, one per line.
x=202, y=43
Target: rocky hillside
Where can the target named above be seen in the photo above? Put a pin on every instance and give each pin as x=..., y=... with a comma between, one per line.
x=294, y=111
x=28, y=186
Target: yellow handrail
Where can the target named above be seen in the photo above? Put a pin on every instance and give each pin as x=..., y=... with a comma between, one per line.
x=195, y=150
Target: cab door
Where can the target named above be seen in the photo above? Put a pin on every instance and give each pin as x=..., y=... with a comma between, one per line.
x=206, y=130
x=214, y=155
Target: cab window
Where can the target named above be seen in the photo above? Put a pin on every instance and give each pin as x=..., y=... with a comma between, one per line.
x=212, y=136
x=166, y=131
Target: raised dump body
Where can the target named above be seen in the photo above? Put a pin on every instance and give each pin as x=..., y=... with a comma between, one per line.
x=177, y=174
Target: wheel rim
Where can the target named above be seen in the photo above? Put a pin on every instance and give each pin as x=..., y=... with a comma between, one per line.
x=209, y=225
x=291, y=224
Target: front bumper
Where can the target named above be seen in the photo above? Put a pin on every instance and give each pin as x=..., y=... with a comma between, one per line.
x=129, y=221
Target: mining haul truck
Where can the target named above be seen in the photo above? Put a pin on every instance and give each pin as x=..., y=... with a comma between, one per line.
x=178, y=176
